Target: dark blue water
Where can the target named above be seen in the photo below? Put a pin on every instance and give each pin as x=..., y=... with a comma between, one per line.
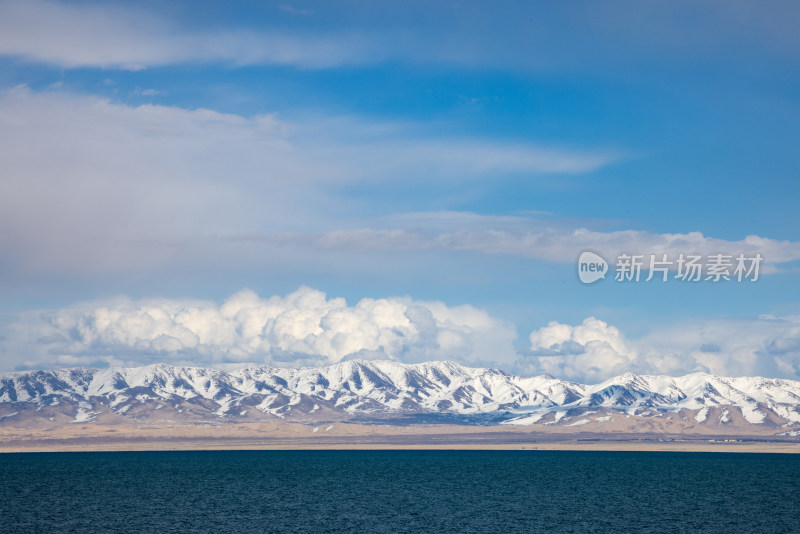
x=399, y=491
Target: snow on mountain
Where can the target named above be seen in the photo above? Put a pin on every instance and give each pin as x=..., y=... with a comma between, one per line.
x=385, y=390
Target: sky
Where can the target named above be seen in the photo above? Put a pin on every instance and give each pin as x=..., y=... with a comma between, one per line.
x=301, y=183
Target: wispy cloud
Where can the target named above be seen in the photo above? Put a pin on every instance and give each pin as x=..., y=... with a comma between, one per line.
x=97, y=35
x=84, y=176
x=152, y=188
x=136, y=189
x=512, y=36
x=551, y=244
x=297, y=10
x=147, y=92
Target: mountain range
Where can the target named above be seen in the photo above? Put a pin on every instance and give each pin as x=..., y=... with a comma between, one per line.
x=387, y=392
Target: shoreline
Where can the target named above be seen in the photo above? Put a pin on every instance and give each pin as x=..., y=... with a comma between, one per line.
x=348, y=436
x=751, y=448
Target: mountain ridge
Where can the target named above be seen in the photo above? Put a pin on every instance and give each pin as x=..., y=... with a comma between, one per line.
x=388, y=392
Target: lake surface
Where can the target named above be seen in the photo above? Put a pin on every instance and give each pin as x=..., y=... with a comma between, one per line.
x=399, y=491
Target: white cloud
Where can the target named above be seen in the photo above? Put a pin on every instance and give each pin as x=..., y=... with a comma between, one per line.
x=147, y=92
x=592, y=351
x=296, y=10
x=304, y=327
x=95, y=34
x=766, y=345
x=72, y=35
x=95, y=189
x=308, y=328
x=93, y=186
x=595, y=350
x=554, y=244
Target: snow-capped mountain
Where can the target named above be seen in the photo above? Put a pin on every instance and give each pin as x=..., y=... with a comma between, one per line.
x=386, y=391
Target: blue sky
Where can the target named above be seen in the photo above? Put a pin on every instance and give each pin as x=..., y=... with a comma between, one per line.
x=454, y=156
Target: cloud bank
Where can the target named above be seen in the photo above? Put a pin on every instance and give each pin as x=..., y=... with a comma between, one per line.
x=302, y=328
x=594, y=350
x=307, y=327
x=560, y=245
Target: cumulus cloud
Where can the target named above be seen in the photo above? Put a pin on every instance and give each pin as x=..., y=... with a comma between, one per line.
x=594, y=350
x=304, y=327
x=307, y=327
x=589, y=351
x=766, y=346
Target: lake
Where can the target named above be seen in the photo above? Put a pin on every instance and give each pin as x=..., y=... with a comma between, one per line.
x=399, y=491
